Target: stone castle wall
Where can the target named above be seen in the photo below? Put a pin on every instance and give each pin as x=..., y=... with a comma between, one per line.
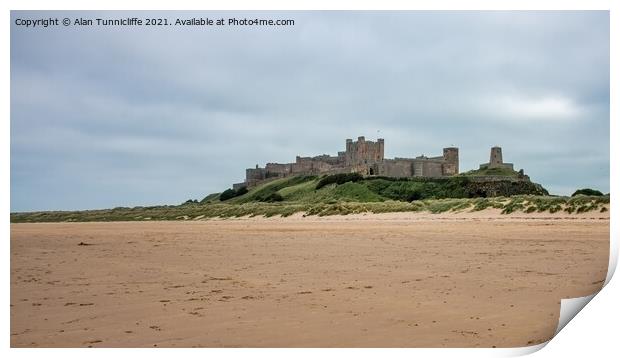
x=397, y=168
x=361, y=156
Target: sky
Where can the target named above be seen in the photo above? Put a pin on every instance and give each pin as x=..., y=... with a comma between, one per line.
x=125, y=116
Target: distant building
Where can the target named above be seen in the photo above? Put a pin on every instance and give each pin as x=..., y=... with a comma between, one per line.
x=496, y=160
x=362, y=156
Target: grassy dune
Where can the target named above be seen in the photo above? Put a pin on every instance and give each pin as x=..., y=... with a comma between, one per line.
x=313, y=189
x=299, y=194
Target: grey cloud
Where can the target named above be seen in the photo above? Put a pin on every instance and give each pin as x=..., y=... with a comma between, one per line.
x=105, y=117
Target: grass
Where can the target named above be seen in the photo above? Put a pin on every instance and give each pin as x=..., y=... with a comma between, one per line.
x=522, y=203
x=263, y=192
x=355, y=192
x=210, y=198
x=347, y=194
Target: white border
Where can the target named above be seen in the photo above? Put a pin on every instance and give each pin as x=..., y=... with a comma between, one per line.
x=594, y=330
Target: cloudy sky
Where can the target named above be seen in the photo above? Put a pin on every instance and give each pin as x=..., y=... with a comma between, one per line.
x=111, y=116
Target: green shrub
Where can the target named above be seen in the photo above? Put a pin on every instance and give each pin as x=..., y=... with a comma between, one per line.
x=228, y=194
x=587, y=191
x=232, y=193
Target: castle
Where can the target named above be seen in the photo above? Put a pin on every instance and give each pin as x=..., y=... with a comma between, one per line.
x=361, y=156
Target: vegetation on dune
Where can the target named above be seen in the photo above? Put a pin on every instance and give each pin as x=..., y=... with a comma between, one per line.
x=419, y=189
x=209, y=198
x=587, y=191
x=232, y=193
x=521, y=203
x=346, y=194
x=228, y=194
x=338, y=179
x=355, y=192
x=264, y=193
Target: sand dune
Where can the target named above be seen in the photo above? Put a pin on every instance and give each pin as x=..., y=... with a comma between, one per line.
x=380, y=280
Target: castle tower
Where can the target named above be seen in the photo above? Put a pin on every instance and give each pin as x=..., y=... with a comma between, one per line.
x=381, y=151
x=362, y=150
x=362, y=153
x=496, y=159
x=348, y=154
x=451, y=158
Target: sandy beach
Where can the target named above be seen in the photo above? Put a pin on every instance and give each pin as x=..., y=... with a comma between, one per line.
x=377, y=280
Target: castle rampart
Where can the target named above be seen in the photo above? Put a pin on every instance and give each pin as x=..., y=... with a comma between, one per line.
x=361, y=156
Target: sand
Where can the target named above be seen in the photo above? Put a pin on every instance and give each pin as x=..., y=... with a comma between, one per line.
x=377, y=280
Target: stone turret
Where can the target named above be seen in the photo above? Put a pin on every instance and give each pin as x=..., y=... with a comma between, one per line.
x=451, y=161
x=495, y=159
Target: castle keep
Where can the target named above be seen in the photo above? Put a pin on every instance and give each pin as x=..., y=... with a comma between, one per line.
x=361, y=156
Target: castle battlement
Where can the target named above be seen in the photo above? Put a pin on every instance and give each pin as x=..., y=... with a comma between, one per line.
x=361, y=156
